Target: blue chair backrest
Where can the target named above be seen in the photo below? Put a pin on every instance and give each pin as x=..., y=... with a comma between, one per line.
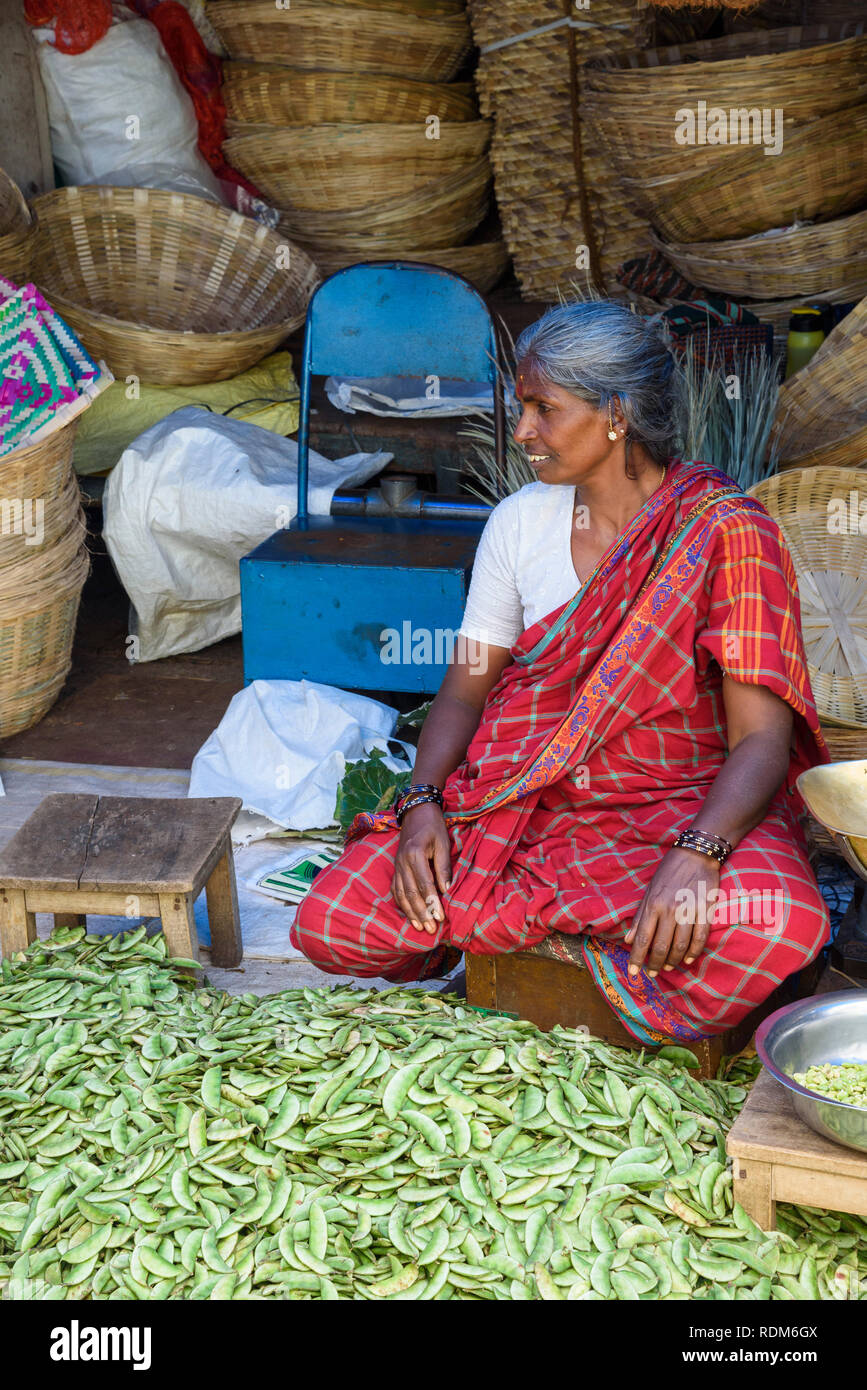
x=394, y=318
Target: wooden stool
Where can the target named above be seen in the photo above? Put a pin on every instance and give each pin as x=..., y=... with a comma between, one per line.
x=124, y=856
x=550, y=984
x=777, y=1158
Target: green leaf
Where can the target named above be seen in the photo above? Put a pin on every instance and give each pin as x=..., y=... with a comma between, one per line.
x=415, y=718
x=368, y=785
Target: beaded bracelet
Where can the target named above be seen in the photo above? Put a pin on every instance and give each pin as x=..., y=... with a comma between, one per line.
x=713, y=846
x=418, y=794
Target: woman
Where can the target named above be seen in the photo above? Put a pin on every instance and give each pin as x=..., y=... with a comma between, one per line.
x=614, y=747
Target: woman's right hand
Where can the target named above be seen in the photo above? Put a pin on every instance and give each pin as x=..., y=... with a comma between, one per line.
x=422, y=867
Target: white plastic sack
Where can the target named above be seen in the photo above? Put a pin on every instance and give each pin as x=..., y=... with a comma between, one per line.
x=119, y=114
x=185, y=501
x=283, y=746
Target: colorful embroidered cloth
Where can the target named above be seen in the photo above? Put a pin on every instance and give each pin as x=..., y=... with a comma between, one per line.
x=597, y=746
x=44, y=370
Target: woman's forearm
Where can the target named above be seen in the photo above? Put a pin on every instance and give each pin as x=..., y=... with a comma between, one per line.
x=744, y=787
x=445, y=737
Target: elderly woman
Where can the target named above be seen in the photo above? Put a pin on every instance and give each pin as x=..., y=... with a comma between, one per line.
x=613, y=750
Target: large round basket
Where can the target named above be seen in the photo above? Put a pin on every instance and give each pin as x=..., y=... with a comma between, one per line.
x=169, y=288
x=818, y=511
x=259, y=94
x=39, y=470
x=336, y=166
x=38, y=608
x=17, y=227
x=344, y=38
x=483, y=263
x=448, y=209
x=782, y=263
x=697, y=188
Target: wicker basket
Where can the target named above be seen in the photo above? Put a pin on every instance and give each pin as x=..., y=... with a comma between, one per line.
x=781, y=263
x=813, y=508
x=40, y=585
x=449, y=209
x=845, y=744
x=334, y=167
x=169, y=288
x=483, y=263
x=548, y=210
x=343, y=38
x=262, y=95
x=17, y=227
x=848, y=451
x=826, y=401
x=732, y=190
x=39, y=500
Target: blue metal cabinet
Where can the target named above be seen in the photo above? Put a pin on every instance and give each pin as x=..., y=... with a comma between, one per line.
x=357, y=606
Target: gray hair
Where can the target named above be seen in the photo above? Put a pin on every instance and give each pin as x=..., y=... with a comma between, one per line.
x=598, y=349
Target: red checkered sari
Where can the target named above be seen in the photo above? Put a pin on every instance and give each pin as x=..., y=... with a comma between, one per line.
x=597, y=746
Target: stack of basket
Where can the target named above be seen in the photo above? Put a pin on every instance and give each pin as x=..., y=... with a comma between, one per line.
x=348, y=119
x=780, y=215
x=43, y=566
x=563, y=215
x=16, y=232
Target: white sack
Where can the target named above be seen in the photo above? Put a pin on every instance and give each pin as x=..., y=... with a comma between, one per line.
x=185, y=501
x=120, y=115
x=283, y=746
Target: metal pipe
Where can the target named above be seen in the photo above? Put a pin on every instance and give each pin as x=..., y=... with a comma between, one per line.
x=428, y=505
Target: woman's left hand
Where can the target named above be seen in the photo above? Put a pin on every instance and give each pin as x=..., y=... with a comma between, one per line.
x=674, y=918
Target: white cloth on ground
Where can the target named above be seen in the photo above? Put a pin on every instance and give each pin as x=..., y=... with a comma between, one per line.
x=523, y=568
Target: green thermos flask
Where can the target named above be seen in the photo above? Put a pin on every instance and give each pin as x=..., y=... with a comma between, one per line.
x=805, y=335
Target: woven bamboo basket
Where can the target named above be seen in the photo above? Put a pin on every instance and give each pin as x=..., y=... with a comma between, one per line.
x=17, y=228
x=548, y=210
x=166, y=287
x=809, y=71
x=38, y=607
x=814, y=510
x=449, y=209
x=259, y=94
x=781, y=263
x=826, y=401
x=820, y=173
x=344, y=38
x=845, y=744
x=846, y=451
x=336, y=166
x=632, y=110
x=483, y=263
x=39, y=470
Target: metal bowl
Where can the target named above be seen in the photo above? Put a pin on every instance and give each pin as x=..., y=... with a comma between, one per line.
x=824, y=1028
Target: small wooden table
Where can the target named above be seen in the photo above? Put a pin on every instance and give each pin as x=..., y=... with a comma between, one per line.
x=124, y=856
x=777, y=1158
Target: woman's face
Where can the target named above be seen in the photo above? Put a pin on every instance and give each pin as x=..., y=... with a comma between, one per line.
x=565, y=439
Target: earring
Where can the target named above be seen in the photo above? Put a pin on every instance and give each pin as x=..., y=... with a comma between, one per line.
x=612, y=433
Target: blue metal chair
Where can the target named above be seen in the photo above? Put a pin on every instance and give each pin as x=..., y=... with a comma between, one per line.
x=318, y=597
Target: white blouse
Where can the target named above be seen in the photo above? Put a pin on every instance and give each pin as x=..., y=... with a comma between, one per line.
x=523, y=568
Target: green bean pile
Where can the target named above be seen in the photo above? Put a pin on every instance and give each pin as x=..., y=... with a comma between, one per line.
x=163, y=1141
x=846, y=1082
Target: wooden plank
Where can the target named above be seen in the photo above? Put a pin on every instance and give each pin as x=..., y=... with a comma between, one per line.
x=179, y=925
x=481, y=981
x=813, y=1187
x=769, y=1130
x=17, y=925
x=755, y=1190
x=101, y=904
x=224, y=918
x=165, y=844
x=50, y=849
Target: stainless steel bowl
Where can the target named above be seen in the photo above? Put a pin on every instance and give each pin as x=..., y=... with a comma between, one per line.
x=824, y=1028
